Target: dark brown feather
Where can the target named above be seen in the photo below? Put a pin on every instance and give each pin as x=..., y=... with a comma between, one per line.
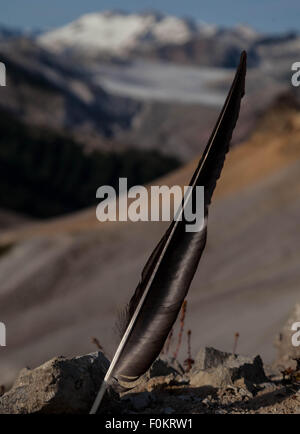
x=170, y=269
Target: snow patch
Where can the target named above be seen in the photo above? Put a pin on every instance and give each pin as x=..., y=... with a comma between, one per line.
x=117, y=33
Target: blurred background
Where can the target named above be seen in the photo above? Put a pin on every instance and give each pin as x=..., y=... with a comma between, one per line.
x=98, y=90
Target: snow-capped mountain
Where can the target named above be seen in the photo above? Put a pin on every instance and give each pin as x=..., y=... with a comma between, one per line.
x=119, y=33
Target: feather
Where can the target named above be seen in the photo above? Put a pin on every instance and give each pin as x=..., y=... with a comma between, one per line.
x=170, y=269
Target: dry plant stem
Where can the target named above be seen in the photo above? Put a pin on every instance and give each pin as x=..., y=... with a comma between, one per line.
x=189, y=350
x=182, y=317
x=97, y=343
x=168, y=342
x=236, y=338
x=189, y=344
x=189, y=361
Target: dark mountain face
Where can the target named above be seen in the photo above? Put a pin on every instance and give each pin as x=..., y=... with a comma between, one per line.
x=223, y=49
x=45, y=90
x=57, y=133
x=220, y=50
x=44, y=173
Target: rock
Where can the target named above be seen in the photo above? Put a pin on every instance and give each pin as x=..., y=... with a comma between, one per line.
x=209, y=357
x=184, y=397
x=161, y=383
x=61, y=385
x=206, y=401
x=243, y=388
x=138, y=401
x=286, y=351
x=266, y=388
x=218, y=369
x=216, y=377
x=168, y=410
x=164, y=367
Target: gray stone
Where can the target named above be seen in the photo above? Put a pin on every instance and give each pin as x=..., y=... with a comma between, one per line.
x=168, y=410
x=218, y=369
x=209, y=357
x=215, y=377
x=61, y=385
x=137, y=401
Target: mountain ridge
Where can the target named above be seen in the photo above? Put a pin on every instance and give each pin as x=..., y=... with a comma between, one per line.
x=120, y=32
x=119, y=36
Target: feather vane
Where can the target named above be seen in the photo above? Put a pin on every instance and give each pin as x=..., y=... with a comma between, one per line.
x=169, y=271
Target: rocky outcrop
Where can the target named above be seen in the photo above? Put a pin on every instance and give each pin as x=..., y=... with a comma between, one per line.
x=60, y=385
x=218, y=383
x=219, y=369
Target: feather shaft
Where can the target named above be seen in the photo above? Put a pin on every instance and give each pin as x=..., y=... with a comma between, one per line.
x=170, y=269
